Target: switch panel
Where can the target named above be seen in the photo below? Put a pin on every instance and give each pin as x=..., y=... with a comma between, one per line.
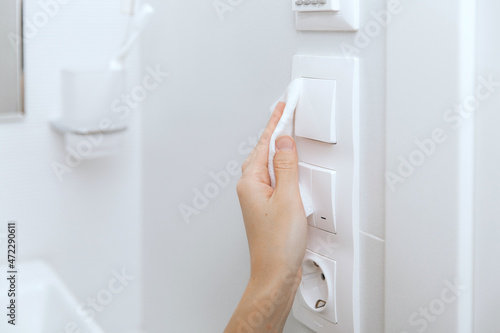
x=320, y=184
x=316, y=5
x=327, y=139
x=315, y=113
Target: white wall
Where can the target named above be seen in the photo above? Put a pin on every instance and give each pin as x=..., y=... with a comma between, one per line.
x=487, y=228
x=224, y=76
x=89, y=224
x=429, y=224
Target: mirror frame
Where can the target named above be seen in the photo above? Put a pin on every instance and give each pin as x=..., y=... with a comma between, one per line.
x=20, y=110
x=20, y=72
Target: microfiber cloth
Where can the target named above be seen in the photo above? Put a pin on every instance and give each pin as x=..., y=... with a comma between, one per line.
x=285, y=127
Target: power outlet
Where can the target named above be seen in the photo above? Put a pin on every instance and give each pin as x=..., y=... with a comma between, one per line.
x=317, y=288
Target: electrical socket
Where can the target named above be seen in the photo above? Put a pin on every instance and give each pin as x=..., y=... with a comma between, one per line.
x=317, y=289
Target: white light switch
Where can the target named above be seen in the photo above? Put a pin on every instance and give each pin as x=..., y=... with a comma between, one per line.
x=316, y=5
x=305, y=180
x=320, y=184
x=315, y=114
x=323, y=196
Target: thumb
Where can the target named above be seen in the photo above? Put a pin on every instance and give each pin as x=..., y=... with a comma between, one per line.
x=286, y=165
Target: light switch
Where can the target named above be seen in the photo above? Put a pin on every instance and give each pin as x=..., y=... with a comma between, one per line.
x=323, y=196
x=319, y=183
x=305, y=180
x=316, y=5
x=315, y=113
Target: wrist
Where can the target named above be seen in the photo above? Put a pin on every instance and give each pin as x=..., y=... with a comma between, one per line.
x=276, y=288
x=270, y=301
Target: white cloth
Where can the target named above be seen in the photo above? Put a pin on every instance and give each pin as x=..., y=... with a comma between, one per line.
x=285, y=127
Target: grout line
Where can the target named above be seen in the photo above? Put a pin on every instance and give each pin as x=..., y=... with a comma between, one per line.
x=372, y=236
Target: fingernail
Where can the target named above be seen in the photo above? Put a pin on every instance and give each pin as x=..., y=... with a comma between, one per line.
x=284, y=143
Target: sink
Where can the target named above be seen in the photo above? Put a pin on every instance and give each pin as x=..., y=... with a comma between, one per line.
x=44, y=303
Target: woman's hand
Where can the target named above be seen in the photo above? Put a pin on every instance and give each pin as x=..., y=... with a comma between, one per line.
x=276, y=228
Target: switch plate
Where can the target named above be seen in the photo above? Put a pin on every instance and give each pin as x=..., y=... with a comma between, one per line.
x=325, y=80
x=316, y=5
x=315, y=113
x=346, y=18
x=342, y=157
x=320, y=184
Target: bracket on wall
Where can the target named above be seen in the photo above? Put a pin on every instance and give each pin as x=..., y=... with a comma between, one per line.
x=344, y=19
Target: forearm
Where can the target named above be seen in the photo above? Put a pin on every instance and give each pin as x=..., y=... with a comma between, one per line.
x=276, y=227
x=265, y=306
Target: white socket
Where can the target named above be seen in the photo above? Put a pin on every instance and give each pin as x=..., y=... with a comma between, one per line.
x=317, y=288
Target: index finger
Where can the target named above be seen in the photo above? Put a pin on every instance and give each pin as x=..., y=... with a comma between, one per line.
x=261, y=151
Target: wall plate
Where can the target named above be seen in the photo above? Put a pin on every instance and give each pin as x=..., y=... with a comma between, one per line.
x=343, y=158
x=346, y=19
x=317, y=289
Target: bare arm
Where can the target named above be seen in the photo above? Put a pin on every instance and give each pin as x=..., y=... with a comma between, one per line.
x=276, y=229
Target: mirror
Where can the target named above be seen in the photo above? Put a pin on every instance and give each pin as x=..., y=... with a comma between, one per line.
x=11, y=58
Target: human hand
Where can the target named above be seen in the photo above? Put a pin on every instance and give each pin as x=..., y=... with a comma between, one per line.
x=276, y=228
x=275, y=220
